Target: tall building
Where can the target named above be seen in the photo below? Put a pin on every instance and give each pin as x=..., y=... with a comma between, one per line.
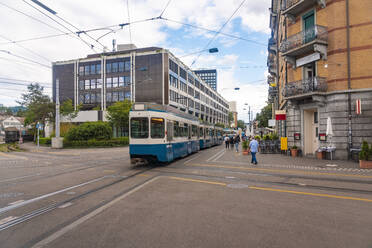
x=151, y=74
x=208, y=76
x=234, y=111
x=319, y=61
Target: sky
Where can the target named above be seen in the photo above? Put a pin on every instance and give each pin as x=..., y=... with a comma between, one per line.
x=239, y=62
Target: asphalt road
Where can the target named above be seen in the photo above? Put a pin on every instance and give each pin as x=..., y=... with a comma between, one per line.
x=214, y=198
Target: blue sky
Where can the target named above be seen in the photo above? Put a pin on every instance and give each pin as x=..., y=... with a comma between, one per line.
x=239, y=63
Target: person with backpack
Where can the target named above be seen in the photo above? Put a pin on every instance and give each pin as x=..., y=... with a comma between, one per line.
x=227, y=141
x=236, y=142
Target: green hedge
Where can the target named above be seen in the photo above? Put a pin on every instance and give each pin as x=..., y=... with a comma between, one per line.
x=98, y=130
x=45, y=141
x=122, y=141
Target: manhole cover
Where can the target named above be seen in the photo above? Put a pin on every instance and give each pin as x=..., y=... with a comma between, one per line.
x=237, y=186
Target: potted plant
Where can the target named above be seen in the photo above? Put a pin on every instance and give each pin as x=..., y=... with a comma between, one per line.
x=245, y=147
x=364, y=156
x=294, y=151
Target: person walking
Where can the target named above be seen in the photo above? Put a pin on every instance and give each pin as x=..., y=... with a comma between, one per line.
x=227, y=141
x=236, y=142
x=231, y=142
x=253, y=145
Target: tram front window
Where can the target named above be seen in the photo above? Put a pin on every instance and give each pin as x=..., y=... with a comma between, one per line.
x=139, y=128
x=157, y=128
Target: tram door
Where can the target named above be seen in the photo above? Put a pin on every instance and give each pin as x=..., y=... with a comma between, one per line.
x=170, y=135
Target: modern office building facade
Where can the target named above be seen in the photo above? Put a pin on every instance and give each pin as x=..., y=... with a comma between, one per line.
x=208, y=76
x=319, y=61
x=150, y=74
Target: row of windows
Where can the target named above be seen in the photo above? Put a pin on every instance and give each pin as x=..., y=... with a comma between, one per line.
x=91, y=98
x=120, y=66
x=93, y=69
x=173, y=81
x=113, y=82
x=90, y=84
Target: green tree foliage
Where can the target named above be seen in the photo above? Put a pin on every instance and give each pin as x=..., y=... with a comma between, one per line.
x=220, y=125
x=39, y=105
x=67, y=109
x=241, y=124
x=264, y=116
x=98, y=130
x=118, y=113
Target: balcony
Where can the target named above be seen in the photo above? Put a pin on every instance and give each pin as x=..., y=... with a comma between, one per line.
x=312, y=40
x=303, y=88
x=293, y=8
x=272, y=46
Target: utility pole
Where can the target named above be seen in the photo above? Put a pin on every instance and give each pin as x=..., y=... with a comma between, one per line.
x=57, y=142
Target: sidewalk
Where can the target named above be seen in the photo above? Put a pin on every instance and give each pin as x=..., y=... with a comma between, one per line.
x=32, y=147
x=284, y=161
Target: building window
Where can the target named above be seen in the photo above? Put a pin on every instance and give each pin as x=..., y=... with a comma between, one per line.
x=87, y=84
x=87, y=98
x=108, y=82
x=121, y=66
x=182, y=73
x=98, y=97
x=81, y=99
x=183, y=86
x=92, y=69
x=93, y=98
x=114, y=67
x=81, y=84
x=126, y=81
x=127, y=65
x=86, y=71
x=115, y=96
x=81, y=70
x=121, y=81
x=93, y=84
x=108, y=68
x=127, y=95
x=121, y=96
x=109, y=97
x=315, y=117
x=98, y=68
x=99, y=83
x=173, y=81
x=115, y=82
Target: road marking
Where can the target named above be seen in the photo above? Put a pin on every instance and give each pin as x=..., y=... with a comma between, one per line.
x=12, y=156
x=218, y=157
x=16, y=202
x=214, y=155
x=16, y=178
x=275, y=170
x=192, y=159
x=144, y=175
x=8, y=208
x=71, y=226
x=65, y=205
x=198, y=181
x=312, y=194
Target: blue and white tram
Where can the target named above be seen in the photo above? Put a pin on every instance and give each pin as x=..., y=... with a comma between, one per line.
x=161, y=133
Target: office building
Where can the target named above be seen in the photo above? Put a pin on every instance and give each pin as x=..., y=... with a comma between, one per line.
x=151, y=74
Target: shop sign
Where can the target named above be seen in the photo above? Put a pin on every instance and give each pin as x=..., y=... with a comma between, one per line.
x=297, y=136
x=272, y=123
x=322, y=137
x=280, y=115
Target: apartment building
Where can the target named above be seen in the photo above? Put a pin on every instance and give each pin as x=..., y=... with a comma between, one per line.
x=320, y=53
x=151, y=74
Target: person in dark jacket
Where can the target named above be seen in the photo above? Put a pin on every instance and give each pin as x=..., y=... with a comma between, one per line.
x=237, y=142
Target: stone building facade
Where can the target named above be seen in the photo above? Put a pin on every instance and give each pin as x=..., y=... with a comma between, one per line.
x=320, y=54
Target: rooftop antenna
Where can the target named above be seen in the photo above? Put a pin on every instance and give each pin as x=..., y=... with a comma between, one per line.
x=114, y=45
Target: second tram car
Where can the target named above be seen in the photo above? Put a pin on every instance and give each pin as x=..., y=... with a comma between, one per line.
x=162, y=133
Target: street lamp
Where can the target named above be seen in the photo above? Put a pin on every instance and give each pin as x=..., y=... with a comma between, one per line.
x=210, y=50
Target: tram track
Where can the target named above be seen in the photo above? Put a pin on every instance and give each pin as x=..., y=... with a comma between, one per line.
x=46, y=209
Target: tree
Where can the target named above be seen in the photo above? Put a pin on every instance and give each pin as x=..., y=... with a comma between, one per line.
x=219, y=124
x=231, y=118
x=241, y=124
x=39, y=106
x=264, y=116
x=68, y=110
x=118, y=114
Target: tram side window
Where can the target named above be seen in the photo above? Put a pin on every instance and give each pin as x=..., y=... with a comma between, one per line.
x=139, y=128
x=176, y=129
x=194, y=131
x=157, y=128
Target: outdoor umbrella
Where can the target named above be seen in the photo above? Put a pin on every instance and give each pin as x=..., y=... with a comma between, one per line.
x=329, y=132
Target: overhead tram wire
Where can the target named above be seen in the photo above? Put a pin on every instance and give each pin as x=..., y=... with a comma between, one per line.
x=21, y=57
x=214, y=31
x=36, y=38
x=212, y=39
x=166, y=6
x=88, y=44
x=25, y=48
x=27, y=82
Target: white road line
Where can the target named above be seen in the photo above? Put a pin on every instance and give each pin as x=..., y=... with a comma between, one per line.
x=219, y=156
x=17, y=205
x=16, y=202
x=192, y=159
x=214, y=155
x=68, y=228
x=16, y=178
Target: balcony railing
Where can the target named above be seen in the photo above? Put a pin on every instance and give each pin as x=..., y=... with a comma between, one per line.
x=310, y=85
x=295, y=7
x=300, y=39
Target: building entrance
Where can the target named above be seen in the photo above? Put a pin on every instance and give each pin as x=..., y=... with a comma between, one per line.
x=311, y=128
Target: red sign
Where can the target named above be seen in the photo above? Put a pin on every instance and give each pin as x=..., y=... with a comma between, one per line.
x=358, y=107
x=280, y=115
